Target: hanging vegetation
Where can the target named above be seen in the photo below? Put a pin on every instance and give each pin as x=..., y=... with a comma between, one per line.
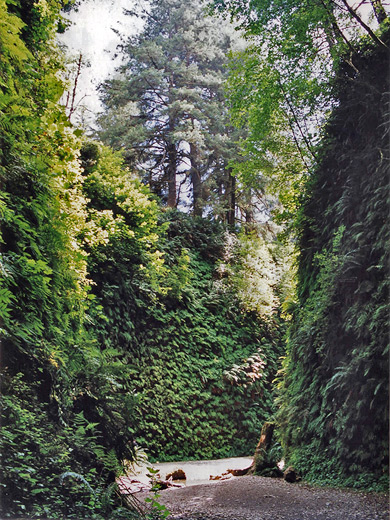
x=199, y=359
x=334, y=401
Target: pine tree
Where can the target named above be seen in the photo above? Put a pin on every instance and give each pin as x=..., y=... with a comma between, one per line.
x=167, y=109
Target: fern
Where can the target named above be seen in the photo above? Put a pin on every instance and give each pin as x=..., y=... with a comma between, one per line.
x=78, y=477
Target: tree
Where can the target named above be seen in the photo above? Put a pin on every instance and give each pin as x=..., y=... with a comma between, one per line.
x=167, y=110
x=280, y=85
x=309, y=25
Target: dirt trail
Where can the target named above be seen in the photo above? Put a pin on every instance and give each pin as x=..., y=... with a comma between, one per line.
x=260, y=498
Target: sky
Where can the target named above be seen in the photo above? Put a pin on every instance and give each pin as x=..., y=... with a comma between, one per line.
x=92, y=35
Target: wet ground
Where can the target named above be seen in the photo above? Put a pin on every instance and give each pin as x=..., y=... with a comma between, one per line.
x=199, y=472
x=261, y=498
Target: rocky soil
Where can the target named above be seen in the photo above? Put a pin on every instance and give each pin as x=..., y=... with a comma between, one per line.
x=260, y=498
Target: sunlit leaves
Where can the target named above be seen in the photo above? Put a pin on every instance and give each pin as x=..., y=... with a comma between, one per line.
x=280, y=87
x=43, y=276
x=10, y=43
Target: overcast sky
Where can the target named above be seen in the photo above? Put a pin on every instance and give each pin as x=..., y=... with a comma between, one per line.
x=92, y=35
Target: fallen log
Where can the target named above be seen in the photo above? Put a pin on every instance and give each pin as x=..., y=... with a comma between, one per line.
x=239, y=472
x=128, y=485
x=165, y=484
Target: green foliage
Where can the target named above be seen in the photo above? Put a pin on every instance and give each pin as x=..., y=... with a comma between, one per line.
x=182, y=332
x=157, y=511
x=175, y=321
x=334, y=396
x=256, y=267
x=319, y=466
x=280, y=86
x=39, y=459
x=302, y=64
x=113, y=323
x=52, y=371
x=268, y=461
x=275, y=155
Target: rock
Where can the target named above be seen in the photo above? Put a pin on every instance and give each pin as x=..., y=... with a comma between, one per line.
x=290, y=475
x=178, y=474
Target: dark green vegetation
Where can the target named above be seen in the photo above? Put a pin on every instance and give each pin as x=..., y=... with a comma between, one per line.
x=334, y=413
x=109, y=306
x=198, y=358
x=123, y=321
x=48, y=362
x=308, y=58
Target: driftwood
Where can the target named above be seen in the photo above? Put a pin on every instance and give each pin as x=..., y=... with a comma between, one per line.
x=225, y=476
x=178, y=474
x=128, y=485
x=239, y=472
x=165, y=484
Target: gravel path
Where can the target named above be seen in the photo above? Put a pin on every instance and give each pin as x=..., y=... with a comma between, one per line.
x=260, y=498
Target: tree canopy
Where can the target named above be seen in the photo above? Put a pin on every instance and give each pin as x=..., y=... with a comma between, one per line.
x=280, y=86
x=167, y=112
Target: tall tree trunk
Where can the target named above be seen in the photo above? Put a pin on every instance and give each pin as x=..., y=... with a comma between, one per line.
x=171, y=176
x=248, y=210
x=172, y=153
x=249, y=216
x=195, y=181
x=231, y=199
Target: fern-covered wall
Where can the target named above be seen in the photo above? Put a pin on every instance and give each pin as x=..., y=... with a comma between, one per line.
x=199, y=360
x=49, y=361
x=204, y=382
x=334, y=399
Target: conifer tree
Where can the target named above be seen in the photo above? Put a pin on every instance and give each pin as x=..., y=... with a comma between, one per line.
x=167, y=112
